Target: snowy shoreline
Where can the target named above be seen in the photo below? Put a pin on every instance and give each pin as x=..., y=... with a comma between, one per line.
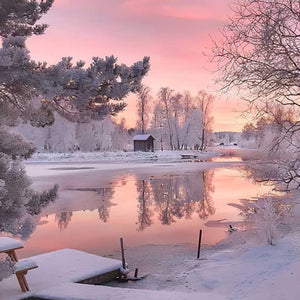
x=239, y=267
x=80, y=157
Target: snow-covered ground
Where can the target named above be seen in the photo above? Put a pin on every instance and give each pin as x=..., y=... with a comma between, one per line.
x=119, y=156
x=240, y=267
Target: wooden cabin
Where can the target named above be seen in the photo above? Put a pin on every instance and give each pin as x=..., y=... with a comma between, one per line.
x=143, y=142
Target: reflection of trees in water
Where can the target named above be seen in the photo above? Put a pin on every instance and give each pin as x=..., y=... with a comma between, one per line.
x=63, y=219
x=175, y=197
x=205, y=205
x=19, y=206
x=104, y=195
x=168, y=198
x=104, y=208
x=145, y=213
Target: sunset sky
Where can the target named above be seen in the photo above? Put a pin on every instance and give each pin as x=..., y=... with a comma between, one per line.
x=174, y=33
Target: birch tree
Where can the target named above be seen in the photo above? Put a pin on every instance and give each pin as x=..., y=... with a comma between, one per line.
x=143, y=108
x=165, y=94
x=259, y=54
x=205, y=101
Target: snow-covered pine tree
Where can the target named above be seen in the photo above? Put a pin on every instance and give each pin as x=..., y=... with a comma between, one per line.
x=31, y=91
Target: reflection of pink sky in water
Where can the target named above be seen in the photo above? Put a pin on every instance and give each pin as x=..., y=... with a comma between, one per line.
x=86, y=232
x=227, y=159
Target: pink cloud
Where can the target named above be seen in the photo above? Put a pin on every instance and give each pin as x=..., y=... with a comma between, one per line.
x=174, y=33
x=191, y=9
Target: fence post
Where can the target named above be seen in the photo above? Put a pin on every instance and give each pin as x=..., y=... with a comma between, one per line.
x=199, y=243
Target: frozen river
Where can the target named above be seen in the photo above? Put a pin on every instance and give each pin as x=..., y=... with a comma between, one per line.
x=145, y=203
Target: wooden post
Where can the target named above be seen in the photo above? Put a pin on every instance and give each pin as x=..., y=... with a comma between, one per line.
x=199, y=243
x=123, y=256
x=136, y=272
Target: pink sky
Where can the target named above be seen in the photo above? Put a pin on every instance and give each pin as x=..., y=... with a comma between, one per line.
x=174, y=33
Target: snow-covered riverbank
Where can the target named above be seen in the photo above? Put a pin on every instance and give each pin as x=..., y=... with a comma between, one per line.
x=237, y=268
x=120, y=156
x=240, y=267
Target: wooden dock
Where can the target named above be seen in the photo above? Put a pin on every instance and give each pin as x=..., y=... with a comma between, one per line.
x=63, y=266
x=60, y=275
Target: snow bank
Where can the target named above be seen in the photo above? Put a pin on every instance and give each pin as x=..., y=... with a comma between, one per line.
x=236, y=269
x=55, y=268
x=71, y=291
x=240, y=271
x=117, y=156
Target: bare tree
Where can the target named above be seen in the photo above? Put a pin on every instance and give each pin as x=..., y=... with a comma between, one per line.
x=143, y=108
x=205, y=101
x=259, y=56
x=187, y=104
x=165, y=94
x=260, y=51
x=176, y=105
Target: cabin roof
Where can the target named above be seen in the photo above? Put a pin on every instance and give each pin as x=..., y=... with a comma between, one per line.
x=142, y=137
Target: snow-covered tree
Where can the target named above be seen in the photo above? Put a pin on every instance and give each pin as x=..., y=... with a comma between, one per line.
x=265, y=215
x=278, y=147
x=258, y=57
x=19, y=17
x=106, y=128
x=192, y=130
x=267, y=220
x=187, y=105
x=120, y=136
x=6, y=268
x=165, y=95
x=30, y=91
x=143, y=108
x=204, y=103
x=166, y=118
x=180, y=121
x=262, y=61
x=176, y=110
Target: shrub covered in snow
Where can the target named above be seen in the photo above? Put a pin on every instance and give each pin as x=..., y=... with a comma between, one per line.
x=6, y=268
x=267, y=219
x=265, y=215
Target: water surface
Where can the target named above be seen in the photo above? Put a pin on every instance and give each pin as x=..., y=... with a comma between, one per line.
x=95, y=208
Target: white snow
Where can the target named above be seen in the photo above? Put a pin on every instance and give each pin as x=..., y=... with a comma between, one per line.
x=7, y=243
x=24, y=264
x=71, y=291
x=141, y=137
x=68, y=265
x=238, y=268
x=117, y=156
x=57, y=267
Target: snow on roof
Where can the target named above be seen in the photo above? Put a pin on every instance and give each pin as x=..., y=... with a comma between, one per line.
x=7, y=243
x=141, y=137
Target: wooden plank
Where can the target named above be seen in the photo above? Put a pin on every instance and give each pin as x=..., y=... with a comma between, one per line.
x=102, y=278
